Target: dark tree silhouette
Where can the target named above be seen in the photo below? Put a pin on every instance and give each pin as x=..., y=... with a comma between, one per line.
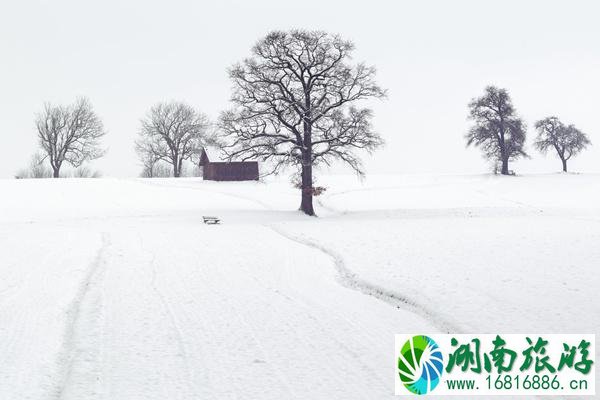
x=294, y=104
x=567, y=140
x=69, y=133
x=172, y=132
x=498, y=131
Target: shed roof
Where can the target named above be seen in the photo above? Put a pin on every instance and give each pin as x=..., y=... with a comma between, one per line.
x=214, y=154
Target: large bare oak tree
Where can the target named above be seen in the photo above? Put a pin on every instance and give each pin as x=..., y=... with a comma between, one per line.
x=172, y=132
x=498, y=131
x=567, y=140
x=295, y=104
x=69, y=133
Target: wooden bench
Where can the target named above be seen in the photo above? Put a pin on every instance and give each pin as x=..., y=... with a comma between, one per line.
x=210, y=220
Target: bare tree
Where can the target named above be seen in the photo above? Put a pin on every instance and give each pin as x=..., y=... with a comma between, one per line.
x=162, y=170
x=567, y=140
x=36, y=169
x=86, y=172
x=172, y=132
x=294, y=105
x=498, y=131
x=153, y=167
x=157, y=169
x=148, y=158
x=69, y=133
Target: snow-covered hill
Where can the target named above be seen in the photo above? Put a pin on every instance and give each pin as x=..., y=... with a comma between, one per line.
x=115, y=289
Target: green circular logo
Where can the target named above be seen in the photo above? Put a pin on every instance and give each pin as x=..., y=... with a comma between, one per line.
x=420, y=364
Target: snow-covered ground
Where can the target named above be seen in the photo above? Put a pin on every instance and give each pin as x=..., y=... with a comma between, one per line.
x=115, y=289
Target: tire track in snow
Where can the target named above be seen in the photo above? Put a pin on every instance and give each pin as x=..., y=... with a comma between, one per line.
x=350, y=280
x=347, y=278
x=73, y=352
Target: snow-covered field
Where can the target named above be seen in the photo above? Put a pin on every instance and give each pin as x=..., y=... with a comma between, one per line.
x=115, y=289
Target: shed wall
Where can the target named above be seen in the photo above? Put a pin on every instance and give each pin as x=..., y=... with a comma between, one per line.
x=231, y=171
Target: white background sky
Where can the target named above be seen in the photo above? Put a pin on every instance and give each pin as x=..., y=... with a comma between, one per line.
x=432, y=56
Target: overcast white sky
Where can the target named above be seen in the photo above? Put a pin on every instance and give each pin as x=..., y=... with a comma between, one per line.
x=433, y=56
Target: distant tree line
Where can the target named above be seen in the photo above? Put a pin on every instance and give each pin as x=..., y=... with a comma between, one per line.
x=500, y=133
x=296, y=102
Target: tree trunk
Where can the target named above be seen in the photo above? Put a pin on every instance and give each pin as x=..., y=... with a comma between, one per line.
x=307, y=179
x=176, y=168
x=503, y=152
x=564, y=163
x=306, y=205
x=504, y=166
x=55, y=172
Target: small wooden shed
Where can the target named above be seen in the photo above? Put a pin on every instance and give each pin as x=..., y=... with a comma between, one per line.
x=227, y=171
